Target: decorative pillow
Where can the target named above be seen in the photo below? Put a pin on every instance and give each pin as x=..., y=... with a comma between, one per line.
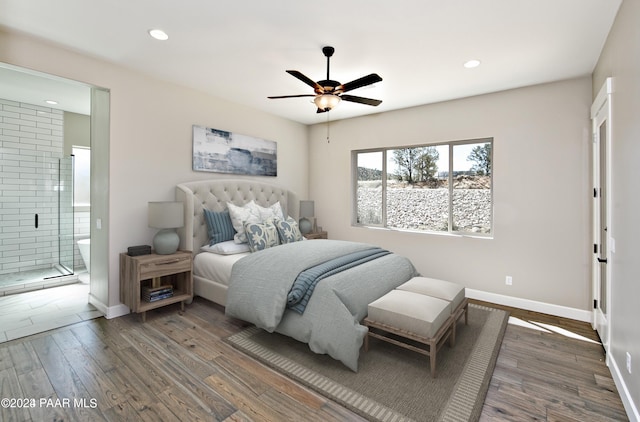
x=248, y=213
x=288, y=230
x=271, y=212
x=219, y=225
x=261, y=235
x=227, y=248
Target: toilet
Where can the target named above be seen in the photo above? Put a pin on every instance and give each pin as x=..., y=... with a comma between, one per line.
x=84, y=246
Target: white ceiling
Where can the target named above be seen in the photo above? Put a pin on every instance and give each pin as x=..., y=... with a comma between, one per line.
x=35, y=88
x=239, y=50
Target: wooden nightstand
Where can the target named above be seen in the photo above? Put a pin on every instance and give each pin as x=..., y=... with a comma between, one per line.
x=317, y=235
x=140, y=274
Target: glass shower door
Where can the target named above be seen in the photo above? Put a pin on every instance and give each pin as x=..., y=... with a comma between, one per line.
x=65, y=215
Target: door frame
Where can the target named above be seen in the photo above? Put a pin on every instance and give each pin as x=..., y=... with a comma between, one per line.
x=600, y=112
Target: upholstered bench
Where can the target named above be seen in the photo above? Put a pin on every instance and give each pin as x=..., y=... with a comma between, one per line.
x=445, y=290
x=402, y=315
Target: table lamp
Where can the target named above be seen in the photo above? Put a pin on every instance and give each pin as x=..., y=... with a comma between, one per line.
x=166, y=216
x=306, y=211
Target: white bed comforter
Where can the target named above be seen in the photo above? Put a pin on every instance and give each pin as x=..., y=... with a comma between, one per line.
x=330, y=324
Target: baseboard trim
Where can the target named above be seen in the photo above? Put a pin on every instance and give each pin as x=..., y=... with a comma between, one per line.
x=625, y=395
x=109, y=311
x=531, y=305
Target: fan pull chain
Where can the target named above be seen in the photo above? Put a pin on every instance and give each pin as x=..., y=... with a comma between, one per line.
x=328, y=126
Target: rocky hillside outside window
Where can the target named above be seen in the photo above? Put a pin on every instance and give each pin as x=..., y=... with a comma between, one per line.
x=443, y=187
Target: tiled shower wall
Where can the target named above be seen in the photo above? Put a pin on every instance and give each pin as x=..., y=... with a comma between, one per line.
x=31, y=143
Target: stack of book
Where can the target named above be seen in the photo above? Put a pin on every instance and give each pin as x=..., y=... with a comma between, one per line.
x=152, y=294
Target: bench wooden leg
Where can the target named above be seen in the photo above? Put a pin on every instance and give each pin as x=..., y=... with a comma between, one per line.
x=433, y=350
x=432, y=343
x=452, y=338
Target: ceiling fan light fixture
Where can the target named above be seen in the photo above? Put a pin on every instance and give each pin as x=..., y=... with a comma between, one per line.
x=326, y=101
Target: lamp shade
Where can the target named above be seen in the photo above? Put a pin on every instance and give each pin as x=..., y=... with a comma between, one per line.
x=307, y=209
x=166, y=215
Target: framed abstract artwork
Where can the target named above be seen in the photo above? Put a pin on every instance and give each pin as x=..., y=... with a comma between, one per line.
x=220, y=151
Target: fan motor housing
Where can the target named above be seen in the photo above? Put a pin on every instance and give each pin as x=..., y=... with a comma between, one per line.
x=328, y=85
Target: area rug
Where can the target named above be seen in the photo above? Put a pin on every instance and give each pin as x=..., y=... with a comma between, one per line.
x=392, y=383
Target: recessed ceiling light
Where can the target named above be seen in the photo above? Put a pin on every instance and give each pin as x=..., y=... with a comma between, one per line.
x=472, y=63
x=51, y=102
x=158, y=34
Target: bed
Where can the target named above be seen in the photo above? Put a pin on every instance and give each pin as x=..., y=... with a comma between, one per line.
x=256, y=286
x=214, y=195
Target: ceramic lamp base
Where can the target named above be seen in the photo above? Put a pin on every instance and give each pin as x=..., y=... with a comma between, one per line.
x=305, y=226
x=166, y=242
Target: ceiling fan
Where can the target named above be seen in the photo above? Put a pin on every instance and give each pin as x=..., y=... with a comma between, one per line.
x=328, y=93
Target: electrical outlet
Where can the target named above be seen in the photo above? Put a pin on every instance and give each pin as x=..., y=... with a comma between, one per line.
x=628, y=362
x=509, y=280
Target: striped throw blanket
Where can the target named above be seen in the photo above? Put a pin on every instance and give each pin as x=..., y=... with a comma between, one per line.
x=307, y=280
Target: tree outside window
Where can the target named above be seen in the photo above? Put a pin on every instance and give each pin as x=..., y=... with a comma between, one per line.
x=443, y=188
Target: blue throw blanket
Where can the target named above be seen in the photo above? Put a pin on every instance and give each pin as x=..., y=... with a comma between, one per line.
x=307, y=280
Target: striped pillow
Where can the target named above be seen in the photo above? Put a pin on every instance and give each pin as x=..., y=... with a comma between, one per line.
x=219, y=226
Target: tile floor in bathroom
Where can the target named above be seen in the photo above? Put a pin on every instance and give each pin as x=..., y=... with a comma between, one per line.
x=37, y=311
x=26, y=281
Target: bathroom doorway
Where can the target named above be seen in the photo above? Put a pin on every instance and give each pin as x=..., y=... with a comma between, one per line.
x=40, y=220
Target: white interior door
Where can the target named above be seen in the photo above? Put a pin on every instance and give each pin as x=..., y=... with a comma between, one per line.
x=602, y=242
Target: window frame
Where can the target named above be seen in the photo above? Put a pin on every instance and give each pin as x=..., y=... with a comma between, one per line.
x=450, y=176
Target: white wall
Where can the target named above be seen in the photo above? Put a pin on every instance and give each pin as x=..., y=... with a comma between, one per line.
x=541, y=156
x=150, y=139
x=620, y=59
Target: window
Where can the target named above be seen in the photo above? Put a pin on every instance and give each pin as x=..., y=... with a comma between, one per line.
x=81, y=176
x=436, y=188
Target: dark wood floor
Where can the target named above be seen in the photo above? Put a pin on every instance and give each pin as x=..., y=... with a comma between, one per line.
x=175, y=367
x=543, y=375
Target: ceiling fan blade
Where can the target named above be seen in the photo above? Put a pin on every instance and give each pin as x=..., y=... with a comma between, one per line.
x=321, y=110
x=291, y=96
x=361, y=100
x=305, y=79
x=364, y=81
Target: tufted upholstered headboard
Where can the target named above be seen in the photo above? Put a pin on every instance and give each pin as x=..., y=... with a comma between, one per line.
x=214, y=195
